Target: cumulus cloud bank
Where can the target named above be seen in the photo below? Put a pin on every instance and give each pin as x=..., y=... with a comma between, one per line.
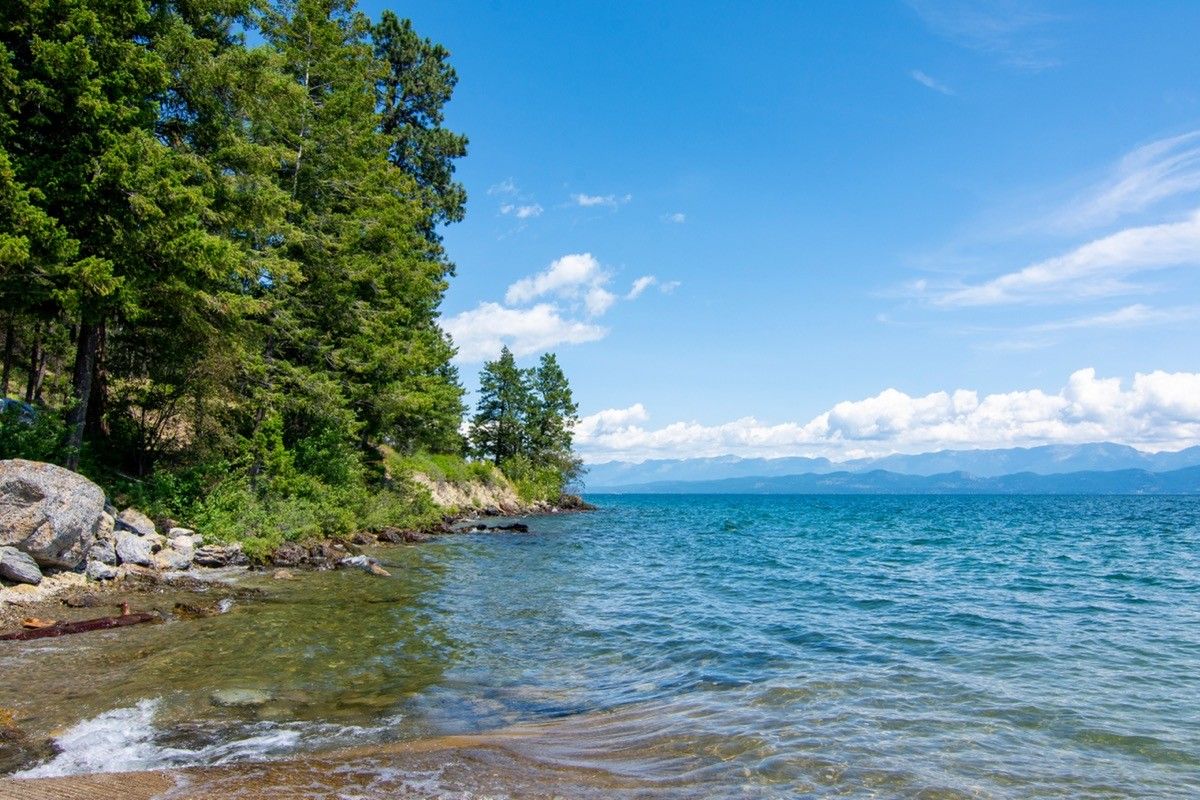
x=1156, y=411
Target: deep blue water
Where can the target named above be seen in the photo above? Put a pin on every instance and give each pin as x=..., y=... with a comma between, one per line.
x=707, y=646
x=998, y=646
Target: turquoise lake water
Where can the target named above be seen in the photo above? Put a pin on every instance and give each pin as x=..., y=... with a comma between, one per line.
x=717, y=646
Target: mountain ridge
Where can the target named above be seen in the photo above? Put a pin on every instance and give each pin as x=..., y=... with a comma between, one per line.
x=991, y=463
x=1089, y=482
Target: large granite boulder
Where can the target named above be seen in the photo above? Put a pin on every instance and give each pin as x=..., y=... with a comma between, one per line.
x=48, y=512
x=19, y=567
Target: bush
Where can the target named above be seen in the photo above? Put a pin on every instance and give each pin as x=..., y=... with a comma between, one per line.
x=31, y=433
x=534, y=483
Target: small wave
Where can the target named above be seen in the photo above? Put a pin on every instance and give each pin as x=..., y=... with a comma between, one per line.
x=127, y=739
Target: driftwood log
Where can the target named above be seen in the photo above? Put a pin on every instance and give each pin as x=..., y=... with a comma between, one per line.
x=64, y=628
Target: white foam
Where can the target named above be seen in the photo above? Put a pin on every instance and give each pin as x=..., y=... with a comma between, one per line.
x=115, y=741
x=124, y=739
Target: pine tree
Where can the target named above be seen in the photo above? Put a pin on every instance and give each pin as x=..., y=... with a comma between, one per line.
x=498, y=430
x=552, y=416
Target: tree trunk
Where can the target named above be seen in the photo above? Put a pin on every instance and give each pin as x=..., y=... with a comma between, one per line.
x=96, y=425
x=85, y=358
x=9, y=341
x=32, y=383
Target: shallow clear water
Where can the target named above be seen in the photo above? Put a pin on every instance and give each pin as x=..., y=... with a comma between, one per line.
x=694, y=646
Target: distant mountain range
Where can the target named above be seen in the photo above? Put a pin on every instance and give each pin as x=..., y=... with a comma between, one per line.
x=1124, y=481
x=1088, y=468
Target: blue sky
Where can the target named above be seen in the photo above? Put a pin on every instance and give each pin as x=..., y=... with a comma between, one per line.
x=870, y=226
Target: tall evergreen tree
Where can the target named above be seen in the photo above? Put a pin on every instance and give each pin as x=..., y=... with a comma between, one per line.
x=415, y=85
x=498, y=430
x=552, y=414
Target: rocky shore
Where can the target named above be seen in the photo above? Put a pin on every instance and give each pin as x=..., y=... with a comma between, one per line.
x=60, y=539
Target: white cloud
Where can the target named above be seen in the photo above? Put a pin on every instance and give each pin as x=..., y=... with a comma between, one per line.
x=1158, y=410
x=506, y=186
x=678, y=218
x=1134, y=316
x=1096, y=269
x=607, y=200
x=640, y=285
x=930, y=82
x=522, y=212
x=1011, y=30
x=667, y=287
x=1146, y=176
x=563, y=277
x=481, y=332
x=598, y=300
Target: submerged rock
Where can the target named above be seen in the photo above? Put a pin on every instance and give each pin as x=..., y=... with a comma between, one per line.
x=19, y=567
x=240, y=698
x=18, y=750
x=135, y=521
x=48, y=512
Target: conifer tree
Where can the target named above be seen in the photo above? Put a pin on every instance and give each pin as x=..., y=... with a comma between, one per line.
x=498, y=430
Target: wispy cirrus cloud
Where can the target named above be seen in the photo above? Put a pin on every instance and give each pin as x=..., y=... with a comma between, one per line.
x=1102, y=267
x=1155, y=410
x=1016, y=33
x=930, y=82
x=1146, y=176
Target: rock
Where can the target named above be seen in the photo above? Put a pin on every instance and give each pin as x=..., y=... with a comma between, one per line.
x=364, y=537
x=397, y=536
x=19, y=567
x=185, y=533
x=134, y=549
x=104, y=530
x=166, y=524
x=48, y=512
x=514, y=527
x=19, y=751
x=85, y=600
x=174, y=558
x=366, y=564
x=135, y=521
x=325, y=555
x=191, y=611
x=216, y=555
x=240, y=698
x=104, y=552
x=289, y=554
x=284, y=575
x=100, y=571
x=391, y=535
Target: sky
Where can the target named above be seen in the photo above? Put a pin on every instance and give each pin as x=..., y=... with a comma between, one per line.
x=835, y=229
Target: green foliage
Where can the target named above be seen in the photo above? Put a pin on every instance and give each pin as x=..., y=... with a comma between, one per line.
x=220, y=262
x=535, y=482
x=37, y=437
x=525, y=422
x=444, y=467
